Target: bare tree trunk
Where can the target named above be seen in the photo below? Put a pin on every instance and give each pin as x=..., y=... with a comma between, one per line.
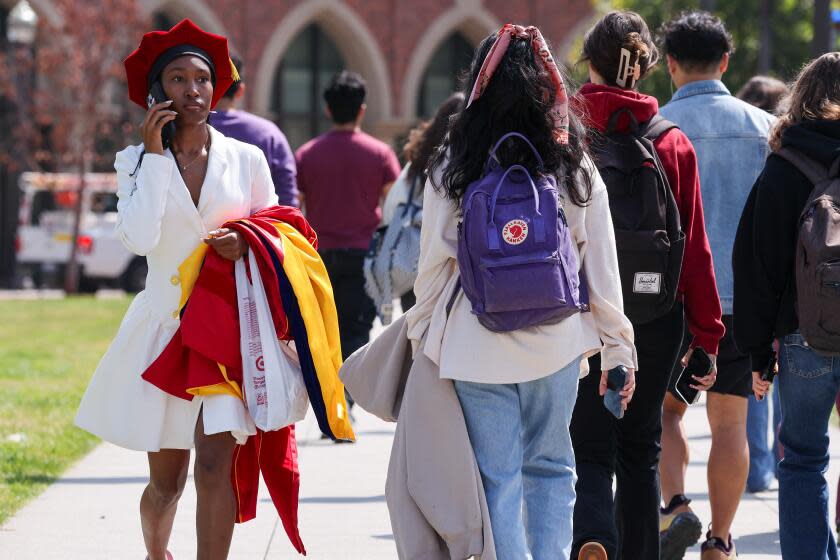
x=822, y=27
x=71, y=271
x=765, y=44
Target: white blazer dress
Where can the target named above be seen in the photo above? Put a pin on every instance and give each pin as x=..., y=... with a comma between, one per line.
x=157, y=218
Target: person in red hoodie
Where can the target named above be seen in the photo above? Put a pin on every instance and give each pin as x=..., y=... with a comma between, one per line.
x=620, y=52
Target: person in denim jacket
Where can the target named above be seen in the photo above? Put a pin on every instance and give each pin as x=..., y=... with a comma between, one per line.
x=730, y=138
x=766, y=309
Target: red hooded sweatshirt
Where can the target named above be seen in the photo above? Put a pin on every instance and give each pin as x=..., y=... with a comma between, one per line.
x=696, y=288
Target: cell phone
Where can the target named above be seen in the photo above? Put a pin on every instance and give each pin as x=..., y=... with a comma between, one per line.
x=157, y=95
x=616, y=379
x=769, y=373
x=699, y=365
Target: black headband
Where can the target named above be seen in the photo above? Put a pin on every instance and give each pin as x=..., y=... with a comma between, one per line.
x=175, y=52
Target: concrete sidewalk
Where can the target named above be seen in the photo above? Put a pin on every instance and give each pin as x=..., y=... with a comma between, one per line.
x=91, y=512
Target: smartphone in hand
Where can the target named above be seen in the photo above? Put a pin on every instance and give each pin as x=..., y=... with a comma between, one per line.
x=699, y=365
x=616, y=379
x=157, y=95
x=769, y=373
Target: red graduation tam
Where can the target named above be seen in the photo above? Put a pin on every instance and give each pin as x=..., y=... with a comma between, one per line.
x=209, y=46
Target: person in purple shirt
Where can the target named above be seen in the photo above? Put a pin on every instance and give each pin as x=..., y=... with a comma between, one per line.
x=343, y=176
x=262, y=133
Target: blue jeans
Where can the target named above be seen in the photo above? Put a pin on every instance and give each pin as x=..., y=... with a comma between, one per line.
x=808, y=385
x=520, y=436
x=763, y=460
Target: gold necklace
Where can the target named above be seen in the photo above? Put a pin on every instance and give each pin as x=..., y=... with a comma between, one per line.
x=196, y=158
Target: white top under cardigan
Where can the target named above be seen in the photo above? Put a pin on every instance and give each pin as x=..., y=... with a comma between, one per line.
x=157, y=218
x=467, y=351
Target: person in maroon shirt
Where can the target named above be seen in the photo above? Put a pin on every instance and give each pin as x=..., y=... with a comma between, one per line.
x=342, y=177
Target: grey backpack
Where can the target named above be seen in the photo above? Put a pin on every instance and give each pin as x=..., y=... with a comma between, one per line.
x=818, y=255
x=391, y=264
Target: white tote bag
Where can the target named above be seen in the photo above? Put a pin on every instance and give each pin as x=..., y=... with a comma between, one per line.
x=275, y=394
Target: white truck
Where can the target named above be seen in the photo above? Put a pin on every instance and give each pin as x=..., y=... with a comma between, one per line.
x=46, y=226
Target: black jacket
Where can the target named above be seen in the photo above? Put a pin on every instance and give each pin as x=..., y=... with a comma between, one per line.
x=764, y=251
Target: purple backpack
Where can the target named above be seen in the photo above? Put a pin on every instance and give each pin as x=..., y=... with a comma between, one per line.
x=516, y=255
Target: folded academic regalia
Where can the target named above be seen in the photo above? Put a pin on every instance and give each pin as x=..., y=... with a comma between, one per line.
x=310, y=316
x=204, y=358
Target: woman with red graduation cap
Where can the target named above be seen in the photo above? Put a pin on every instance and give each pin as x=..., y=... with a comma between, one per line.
x=175, y=191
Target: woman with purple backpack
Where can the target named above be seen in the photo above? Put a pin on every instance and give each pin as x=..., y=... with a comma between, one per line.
x=650, y=170
x=518, y=284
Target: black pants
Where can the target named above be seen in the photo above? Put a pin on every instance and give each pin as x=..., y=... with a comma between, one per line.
x=627, y=525
x=355, y=309
x=407, y=300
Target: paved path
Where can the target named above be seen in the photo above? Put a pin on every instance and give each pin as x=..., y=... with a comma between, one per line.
x=91, y=512
x=30, y=295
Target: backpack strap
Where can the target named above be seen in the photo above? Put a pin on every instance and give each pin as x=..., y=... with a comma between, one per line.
x=656, y=127
x=813, y=170
x=652, y=131
x=516, y=135
x=409, y=203
x=612, y=123
x=834, y=171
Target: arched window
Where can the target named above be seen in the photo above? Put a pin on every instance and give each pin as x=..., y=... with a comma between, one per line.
x=299, y=82
x=441, y=77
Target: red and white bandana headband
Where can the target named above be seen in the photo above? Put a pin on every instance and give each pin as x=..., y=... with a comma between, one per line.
x=560, y=111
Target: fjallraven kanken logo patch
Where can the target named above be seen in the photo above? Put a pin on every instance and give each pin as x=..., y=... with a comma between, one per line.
x=515, y=232
x=647, y=283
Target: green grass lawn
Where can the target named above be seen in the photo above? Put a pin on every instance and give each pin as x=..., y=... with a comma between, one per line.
x=48, y=351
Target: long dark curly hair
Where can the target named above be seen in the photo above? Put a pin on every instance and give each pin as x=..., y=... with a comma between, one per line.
x=518, y=98
x=424, y=140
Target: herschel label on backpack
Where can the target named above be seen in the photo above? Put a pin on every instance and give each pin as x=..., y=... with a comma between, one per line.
x=647, y=283
x=645, y=215
x=516, y=255
x=817, y=265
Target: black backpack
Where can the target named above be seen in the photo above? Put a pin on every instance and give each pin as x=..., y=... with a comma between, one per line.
x=817, y=262
x=645, y=216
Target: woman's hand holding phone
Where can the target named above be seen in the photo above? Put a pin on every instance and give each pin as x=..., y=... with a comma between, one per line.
x=629, y=386
x=703, y=383
x=158, y=115
x=760, y=387
x=762, y=380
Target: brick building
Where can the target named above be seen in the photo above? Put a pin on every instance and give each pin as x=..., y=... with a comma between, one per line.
x=409, y=51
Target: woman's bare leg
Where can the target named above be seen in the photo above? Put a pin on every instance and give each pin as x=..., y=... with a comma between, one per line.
x=216, y=501
x=167, y=477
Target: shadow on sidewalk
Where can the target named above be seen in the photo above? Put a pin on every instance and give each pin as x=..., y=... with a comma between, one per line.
x=759, y=543
x=105, y=480
x=338, y=500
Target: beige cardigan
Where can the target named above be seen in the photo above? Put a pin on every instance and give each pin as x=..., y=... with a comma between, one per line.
x=464, y=350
